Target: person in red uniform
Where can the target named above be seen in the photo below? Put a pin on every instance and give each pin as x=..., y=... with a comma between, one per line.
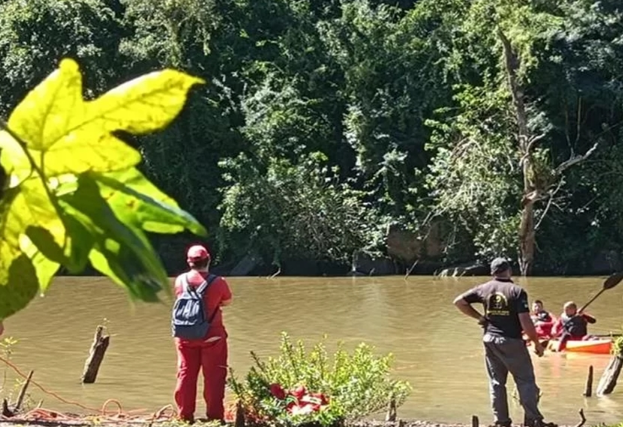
x=543, y=321
x=208, y=354
x=573, y=322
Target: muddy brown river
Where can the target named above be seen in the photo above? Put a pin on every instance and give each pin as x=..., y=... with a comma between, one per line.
x=436, y=349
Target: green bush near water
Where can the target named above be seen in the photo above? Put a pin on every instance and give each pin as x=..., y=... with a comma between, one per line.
x=617, y=346
x=356, y=384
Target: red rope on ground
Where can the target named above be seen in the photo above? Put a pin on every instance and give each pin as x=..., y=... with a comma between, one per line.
x=101, y=415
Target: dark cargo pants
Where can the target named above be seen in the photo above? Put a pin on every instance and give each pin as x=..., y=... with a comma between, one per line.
x=504, y=355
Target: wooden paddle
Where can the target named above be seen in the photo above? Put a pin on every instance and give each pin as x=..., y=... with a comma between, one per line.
x=609, y=283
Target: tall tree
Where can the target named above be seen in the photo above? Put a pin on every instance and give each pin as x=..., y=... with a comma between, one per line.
x=518, y=33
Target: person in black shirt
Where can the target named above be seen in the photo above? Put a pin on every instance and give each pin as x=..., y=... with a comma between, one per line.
x=506, y=315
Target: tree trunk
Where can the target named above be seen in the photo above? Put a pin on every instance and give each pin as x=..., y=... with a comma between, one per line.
x=527, y=240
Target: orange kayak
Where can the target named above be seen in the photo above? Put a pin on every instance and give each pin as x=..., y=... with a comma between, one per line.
x=593, y=346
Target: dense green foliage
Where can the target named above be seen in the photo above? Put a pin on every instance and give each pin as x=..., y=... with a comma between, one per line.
x=307, y=387
x=326, y=124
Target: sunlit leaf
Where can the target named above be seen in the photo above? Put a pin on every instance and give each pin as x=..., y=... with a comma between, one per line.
x=18, y=278
x=74, y=136
x=74, y=195
x=21, y=286
x=126, y=268
x=137, y=201
x=34, y=210
x=145, y=104
x=121, y=252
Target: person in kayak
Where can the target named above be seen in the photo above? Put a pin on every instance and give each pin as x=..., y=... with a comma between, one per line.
x=543, y=321
x=573, y=323
x=507, y=313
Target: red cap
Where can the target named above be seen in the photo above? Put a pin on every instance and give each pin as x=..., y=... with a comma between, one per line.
x=197, y=253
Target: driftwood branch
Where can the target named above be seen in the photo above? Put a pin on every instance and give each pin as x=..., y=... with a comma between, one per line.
x=22, y=393
x=96, y=356
x=8, y=411
x=408, y=273
x=582, y=418
x=277, y=273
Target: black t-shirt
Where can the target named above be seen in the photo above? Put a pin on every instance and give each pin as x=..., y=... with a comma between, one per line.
x=503, y=301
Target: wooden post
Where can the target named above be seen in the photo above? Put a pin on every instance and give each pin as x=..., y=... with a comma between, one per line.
x=22, y=393
x=96, y=356
x=588, y=390
x=475, y=421
x=240, y=421
x=6, y=412
x=610, y=376
x=391, y=410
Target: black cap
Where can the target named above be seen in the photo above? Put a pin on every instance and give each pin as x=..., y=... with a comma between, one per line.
x=499, y=265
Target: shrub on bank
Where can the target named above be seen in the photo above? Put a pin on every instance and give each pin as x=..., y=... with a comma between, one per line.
x=300, y=387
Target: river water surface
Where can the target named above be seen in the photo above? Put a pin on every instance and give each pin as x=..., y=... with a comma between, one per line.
x=436, y=349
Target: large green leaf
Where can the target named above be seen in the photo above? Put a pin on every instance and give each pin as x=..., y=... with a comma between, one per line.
x=18, y=277
x=73, y=194
x=21, y=286
x=66, y=134
x=38, y=216
x=137, y=201
x=120, y=251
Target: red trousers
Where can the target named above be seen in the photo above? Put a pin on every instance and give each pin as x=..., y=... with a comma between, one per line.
x=211, y=358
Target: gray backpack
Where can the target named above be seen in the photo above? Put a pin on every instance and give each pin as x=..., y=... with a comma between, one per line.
x=190, y=315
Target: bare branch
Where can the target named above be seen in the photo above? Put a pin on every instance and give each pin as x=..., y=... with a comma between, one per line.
x=582, y=418
x=573, y=160
x=549, y=204
x=533, y=140
x=408, y=272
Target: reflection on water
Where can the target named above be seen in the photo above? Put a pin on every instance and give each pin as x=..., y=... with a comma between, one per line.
x=435, y=348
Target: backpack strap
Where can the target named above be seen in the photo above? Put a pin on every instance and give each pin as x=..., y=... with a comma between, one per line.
x=204, y=286
x=186, y=285
x=200, y=291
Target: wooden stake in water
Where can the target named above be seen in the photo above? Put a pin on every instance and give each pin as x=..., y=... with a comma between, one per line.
x=588, y=391
x=391, y=410
x=96, y=356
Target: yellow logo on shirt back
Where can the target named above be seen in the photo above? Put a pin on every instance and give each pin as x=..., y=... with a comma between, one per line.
x=497, y=305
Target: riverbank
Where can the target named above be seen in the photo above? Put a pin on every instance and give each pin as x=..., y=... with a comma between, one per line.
x=95, y=422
